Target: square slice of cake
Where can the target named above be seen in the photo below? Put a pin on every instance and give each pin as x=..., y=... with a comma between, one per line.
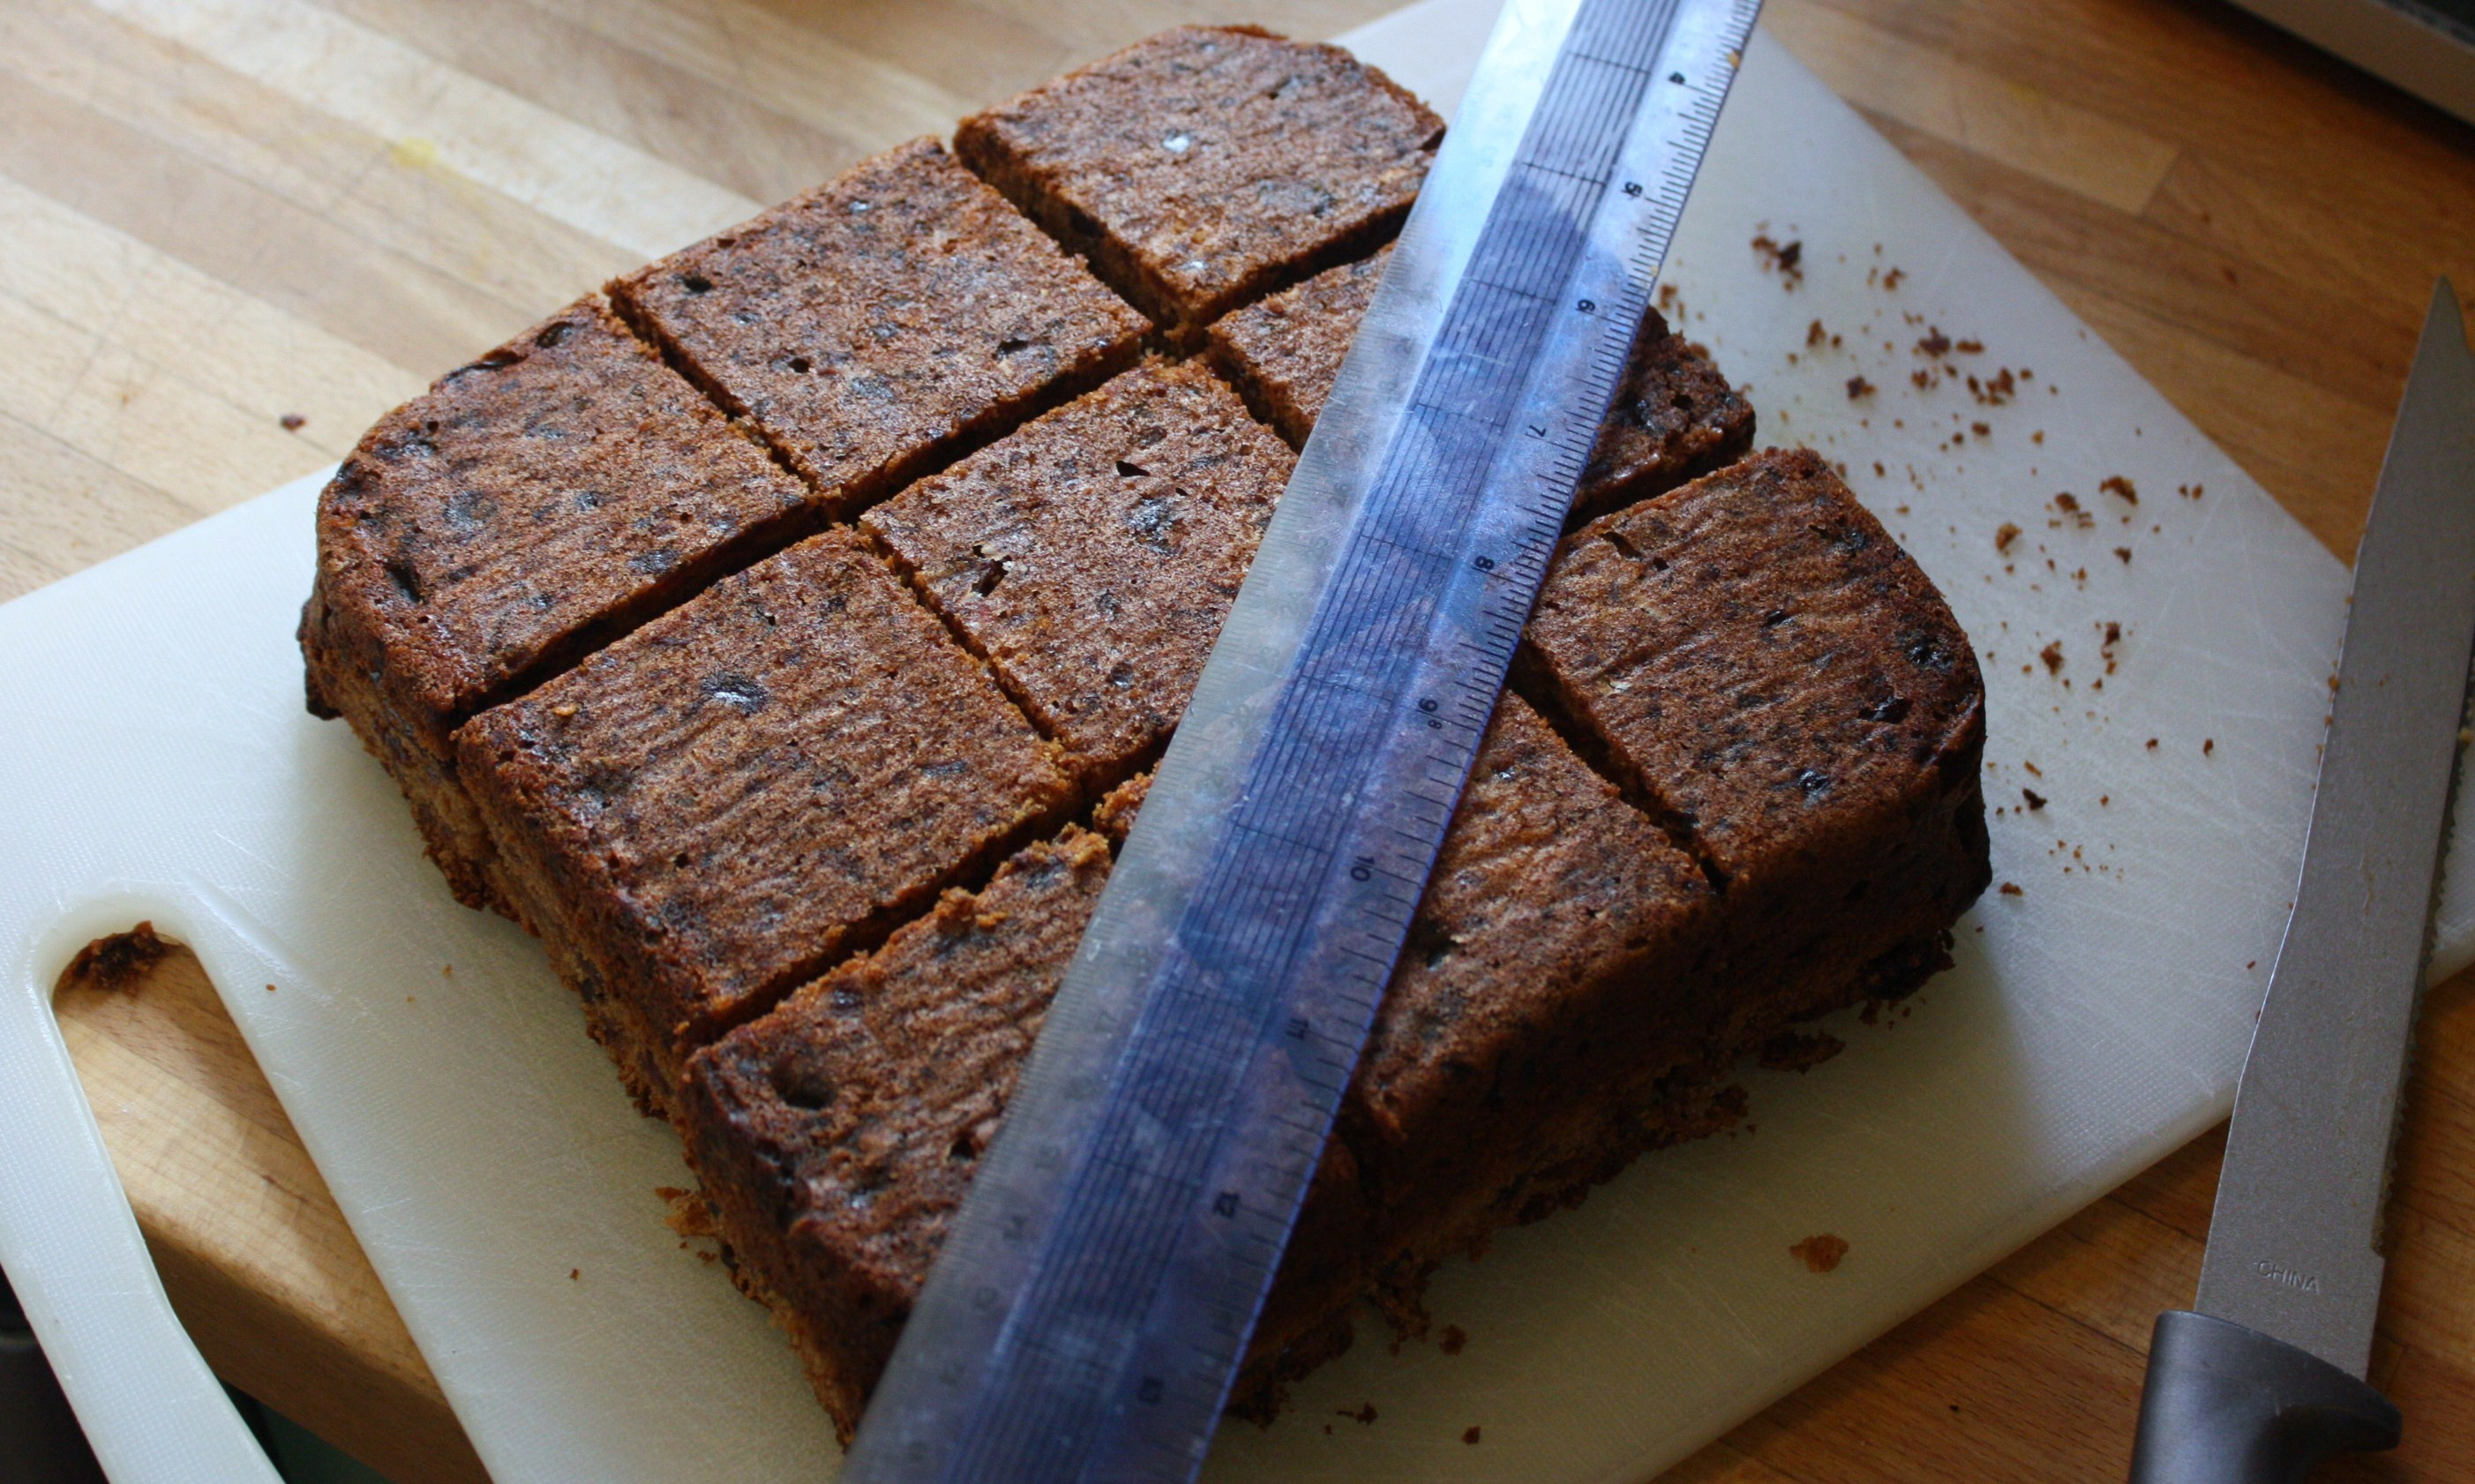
x=1209, y=166
x=743, y=791
x=1674, y=416
x=836, y=1137
x=1555, y=974
x=493, y=529
x=1091, y=556
x=883, y=322
x=1758, y=661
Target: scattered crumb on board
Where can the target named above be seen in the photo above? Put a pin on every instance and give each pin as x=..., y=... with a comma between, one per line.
x=1821, y=1252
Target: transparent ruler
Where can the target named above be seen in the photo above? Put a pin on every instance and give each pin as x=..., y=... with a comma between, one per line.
x=1095, y=1296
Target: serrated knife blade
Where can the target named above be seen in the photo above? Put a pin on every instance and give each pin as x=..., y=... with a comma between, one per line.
x=2267, y=1373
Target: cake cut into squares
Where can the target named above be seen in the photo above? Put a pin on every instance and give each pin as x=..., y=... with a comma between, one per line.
x=1760, y=662
x=1674, y=416
x=491, y=530
x=732, y=797
x=1209, y=166
x=884, y=322
x=1091, y=555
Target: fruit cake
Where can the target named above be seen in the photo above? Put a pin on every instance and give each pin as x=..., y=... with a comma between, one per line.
x=1578, y=986
x=783, y=640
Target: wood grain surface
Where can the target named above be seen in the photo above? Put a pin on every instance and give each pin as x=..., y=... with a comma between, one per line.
x=234, y=231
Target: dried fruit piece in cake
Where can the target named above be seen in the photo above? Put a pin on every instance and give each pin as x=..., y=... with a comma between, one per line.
x=1674, y=416
x=883, y=322
x=1761, y=663
x=1091, y=555
x=494, y=528
x=1207, y=166
x=715, y=807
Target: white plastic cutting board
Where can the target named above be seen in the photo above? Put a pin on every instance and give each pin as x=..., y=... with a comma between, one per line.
x=158, y=763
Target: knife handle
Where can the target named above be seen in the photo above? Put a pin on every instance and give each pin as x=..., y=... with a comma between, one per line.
x=2227, y=1405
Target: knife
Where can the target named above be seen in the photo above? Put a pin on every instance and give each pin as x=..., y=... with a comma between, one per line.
x=2265, y=1374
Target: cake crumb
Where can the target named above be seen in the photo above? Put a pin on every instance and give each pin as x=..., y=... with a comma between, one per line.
x=292, y=421
x=1453, y=1341
x=1821, y=1254
x=119, y=960
x=1471, y=1437
x=574, y=1274
x=2052, y=655
x=1363, y=1416
x=2003, y=535
x=2123, y=552
x=2117, y=484
x=1859, y=387
x=1787, y=258
x=2011, y=888
x=2208, y=744
x=2036, y=800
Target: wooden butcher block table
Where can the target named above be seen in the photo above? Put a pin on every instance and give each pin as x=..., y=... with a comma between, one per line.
x=219, y=261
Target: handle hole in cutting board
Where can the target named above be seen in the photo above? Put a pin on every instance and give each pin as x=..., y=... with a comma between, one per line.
x=155, y=1046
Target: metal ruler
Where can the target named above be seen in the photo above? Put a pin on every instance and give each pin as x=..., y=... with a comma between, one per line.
x=1095, y=1296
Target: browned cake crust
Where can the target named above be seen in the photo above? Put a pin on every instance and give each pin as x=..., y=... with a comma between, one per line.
x=1763, y=667
x=1091, y=556
x=883, y=322
x=1206, y=165
x=735, y=795
x=525, y=508
x=1673, y=417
